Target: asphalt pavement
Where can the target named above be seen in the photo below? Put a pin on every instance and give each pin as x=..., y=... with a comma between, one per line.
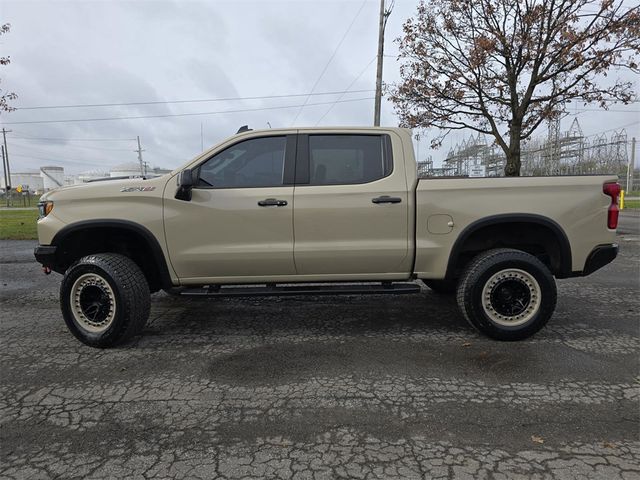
x=323, y=387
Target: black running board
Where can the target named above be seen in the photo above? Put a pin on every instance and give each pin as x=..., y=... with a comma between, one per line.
x=332, y=289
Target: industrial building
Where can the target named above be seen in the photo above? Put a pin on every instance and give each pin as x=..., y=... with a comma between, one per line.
x=31, y=178
x=37, y=181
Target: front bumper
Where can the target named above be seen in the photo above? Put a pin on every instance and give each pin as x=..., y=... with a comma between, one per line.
x=46, y=255
x=599, y=257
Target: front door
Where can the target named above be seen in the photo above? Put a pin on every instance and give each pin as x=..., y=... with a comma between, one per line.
x=351, y=217
x=238, y=225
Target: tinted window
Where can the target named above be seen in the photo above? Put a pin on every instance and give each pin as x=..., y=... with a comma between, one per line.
x=258, y=162
x=344, y=159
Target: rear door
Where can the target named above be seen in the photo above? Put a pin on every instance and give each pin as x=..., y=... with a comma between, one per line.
x=238, y=225
x=351, y=215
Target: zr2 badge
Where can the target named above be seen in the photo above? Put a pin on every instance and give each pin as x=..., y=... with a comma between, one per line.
x=137, y=189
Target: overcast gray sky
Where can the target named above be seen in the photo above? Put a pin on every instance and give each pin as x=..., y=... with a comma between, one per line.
x=88, y=52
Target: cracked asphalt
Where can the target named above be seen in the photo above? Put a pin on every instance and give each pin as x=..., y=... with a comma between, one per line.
x=323, y=387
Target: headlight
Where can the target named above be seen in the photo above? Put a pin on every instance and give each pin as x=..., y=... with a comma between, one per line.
x=45, y=208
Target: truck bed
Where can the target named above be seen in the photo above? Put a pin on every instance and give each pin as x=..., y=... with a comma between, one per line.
x=445, y=207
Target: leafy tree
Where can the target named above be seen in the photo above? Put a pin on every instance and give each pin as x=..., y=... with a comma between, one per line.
x=502, y=67
x=5, y=98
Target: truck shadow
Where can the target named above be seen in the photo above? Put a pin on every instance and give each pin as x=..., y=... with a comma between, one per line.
x=323, y=315
x=279, y=340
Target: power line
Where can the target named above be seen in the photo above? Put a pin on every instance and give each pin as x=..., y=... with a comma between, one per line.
x=77, y=139
x=57, y=159
x=330, y=60
x=605, y=110
x=44, y=152
x=623, y=8
x=580, y=112
x=616, y=128
x=203, y=100
x=25, y=136
x=182, y=114
x=90, y=147
x=154, y=153
x=346, y=91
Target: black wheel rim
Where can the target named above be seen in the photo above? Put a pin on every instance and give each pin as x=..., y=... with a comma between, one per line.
x=93, y=302
x=510, y=297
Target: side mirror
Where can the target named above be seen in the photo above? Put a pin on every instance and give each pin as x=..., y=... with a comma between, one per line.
x=185, y=185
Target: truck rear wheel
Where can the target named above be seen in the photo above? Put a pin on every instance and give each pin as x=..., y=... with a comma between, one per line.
x=105, y=299
x=507, y=294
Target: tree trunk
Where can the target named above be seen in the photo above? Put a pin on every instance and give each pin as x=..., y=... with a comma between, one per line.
x=512, y=168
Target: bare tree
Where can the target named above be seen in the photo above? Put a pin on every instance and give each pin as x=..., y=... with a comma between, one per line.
x=502, y=67
x=5, y=98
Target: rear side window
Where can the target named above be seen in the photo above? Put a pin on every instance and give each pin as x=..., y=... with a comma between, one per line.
x=348, y=159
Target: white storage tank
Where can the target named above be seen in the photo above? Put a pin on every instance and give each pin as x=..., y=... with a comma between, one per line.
x=89, y=175
x=52, y=177
x=30, y=178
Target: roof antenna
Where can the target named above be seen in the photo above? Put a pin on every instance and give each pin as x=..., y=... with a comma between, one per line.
x=269, y=124
x=244, y=128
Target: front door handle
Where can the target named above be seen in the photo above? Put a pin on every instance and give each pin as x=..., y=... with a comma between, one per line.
x=272, y=202
x=386, y=199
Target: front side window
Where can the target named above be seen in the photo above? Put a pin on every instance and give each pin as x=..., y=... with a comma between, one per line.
x=257, y=162
x=347, y=159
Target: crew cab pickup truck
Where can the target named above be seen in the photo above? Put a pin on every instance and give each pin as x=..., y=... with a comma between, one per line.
x=310, y=211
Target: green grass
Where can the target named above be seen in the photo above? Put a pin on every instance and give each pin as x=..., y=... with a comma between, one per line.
x=18, y=224
x=631, y=204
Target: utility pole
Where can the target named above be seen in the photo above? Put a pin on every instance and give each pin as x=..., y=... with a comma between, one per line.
x=631, y=166
x=140, y=150
x=5, y=164
x=4, y=171
x=201, y=138
x=4, y=167
x=384, y=15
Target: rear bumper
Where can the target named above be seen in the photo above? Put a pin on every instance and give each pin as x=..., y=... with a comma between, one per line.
x=599, y=257
x=46, y=255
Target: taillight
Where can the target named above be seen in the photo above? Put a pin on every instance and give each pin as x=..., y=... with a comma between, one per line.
x=612, y=190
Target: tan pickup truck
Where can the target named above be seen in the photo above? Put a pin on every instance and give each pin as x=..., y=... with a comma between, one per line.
x=313, y=211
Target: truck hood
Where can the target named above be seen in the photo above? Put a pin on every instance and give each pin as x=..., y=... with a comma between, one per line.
x=106, y=188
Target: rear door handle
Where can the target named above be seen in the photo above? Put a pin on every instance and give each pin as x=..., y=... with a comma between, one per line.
x=272, y=202
x=386, y=199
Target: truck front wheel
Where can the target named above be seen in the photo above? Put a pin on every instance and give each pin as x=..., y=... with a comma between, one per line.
x=507, y=294
x=105, y=299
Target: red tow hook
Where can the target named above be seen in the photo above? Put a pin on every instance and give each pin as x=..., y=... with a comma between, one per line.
x=46, y=270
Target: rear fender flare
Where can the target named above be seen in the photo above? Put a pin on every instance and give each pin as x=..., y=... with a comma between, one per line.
x=553, y=226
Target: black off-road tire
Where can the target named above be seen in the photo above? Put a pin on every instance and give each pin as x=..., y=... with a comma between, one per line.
x=442, y=287
x=111, y=299
x=493, y=292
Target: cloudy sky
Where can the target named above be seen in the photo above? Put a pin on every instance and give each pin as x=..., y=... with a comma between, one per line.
x=97, y=52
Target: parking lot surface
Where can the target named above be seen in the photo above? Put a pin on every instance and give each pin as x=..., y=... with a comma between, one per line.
x=323, y=387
